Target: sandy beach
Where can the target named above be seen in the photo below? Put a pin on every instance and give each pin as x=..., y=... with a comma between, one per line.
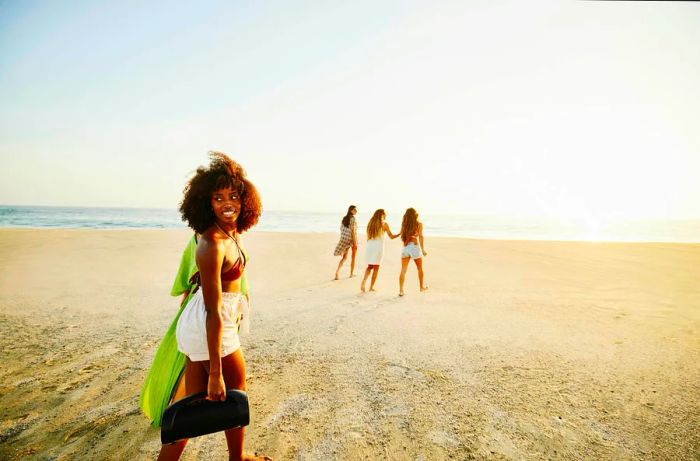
x=519, y=350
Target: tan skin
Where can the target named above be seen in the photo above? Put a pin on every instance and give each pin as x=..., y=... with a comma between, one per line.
x=419, y=262
x=217, y=253
x=345, y=254
x=374, y=268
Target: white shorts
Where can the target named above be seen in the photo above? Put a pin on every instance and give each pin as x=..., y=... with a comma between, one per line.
x=191, y=330
x=412, y=251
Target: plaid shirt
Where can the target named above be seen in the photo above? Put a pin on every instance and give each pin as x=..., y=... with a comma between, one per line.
x=346, y=240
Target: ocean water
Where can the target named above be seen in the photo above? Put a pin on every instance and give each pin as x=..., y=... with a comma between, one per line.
x=485, y=227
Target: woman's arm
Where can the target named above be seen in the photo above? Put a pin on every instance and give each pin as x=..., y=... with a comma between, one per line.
x=388, y=231
x=210, y=258
x=420, y=238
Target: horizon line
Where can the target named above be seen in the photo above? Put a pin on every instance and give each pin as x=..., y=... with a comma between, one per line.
x=443, y=213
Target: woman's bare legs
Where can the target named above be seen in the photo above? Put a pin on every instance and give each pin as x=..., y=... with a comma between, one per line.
x=419, y=266
x=402, y=277
x=233, y=369
x=340, y=264
x=375, y=272
x=364, y=279
x=196, y=380
x=352, y=261
x=180, y=388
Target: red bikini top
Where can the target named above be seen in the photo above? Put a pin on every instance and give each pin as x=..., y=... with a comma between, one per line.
x=235, y=272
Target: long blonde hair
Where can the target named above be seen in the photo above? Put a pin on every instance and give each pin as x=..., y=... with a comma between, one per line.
x=374, y=226
x=409, y=225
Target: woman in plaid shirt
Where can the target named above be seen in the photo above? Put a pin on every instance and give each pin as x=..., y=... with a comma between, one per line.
x=348, y=239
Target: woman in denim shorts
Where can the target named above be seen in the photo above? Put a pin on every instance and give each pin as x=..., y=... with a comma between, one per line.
x=413, y=247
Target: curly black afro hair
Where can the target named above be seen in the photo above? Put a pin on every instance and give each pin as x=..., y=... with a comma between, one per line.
x=222, y=172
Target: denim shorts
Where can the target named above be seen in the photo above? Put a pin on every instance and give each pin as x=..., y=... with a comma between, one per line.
x=412, y=251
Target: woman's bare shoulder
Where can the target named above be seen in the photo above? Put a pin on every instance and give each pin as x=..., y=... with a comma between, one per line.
x=210, y=242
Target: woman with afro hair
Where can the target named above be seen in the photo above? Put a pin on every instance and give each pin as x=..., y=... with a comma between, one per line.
x=219, y=204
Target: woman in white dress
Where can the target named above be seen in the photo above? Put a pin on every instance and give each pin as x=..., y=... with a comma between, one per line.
x=375, y=246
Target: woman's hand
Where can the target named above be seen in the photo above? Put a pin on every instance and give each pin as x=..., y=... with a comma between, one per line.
x=216, y=389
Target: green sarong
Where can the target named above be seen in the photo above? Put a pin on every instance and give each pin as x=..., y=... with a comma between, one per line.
x=169, y=363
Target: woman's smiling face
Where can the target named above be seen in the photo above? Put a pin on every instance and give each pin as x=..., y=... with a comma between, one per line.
x=226, y=204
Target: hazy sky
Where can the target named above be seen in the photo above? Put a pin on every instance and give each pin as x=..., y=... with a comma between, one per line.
x=556, y=108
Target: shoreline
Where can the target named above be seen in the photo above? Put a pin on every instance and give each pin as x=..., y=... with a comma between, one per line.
x=328, y=233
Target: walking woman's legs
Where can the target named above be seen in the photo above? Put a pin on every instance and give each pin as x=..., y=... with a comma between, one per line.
x=233, y=369
x=180, y=388
x=402, y=277
x=419, y=266
x=196, y=379
x=342, y=260
x=364, y=279
x=375, y=272
x=352, y=261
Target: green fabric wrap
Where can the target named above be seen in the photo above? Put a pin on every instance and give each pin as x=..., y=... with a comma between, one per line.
x=169, y=363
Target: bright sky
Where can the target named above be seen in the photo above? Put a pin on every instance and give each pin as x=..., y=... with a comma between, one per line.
x=471, y=107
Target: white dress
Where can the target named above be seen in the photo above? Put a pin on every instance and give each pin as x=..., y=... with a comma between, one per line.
x=374, y=252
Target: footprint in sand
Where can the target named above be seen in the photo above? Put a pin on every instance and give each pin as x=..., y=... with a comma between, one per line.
x=90, y=369
x=380, y=304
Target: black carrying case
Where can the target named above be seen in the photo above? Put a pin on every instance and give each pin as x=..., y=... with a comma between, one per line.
x=193, y=416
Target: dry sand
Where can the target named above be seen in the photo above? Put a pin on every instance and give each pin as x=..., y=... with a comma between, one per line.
x=520, y=350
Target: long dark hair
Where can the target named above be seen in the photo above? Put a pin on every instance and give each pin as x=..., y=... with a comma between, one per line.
x=348, y=215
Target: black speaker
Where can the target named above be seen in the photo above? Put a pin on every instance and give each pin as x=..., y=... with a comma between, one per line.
x=194, y=415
